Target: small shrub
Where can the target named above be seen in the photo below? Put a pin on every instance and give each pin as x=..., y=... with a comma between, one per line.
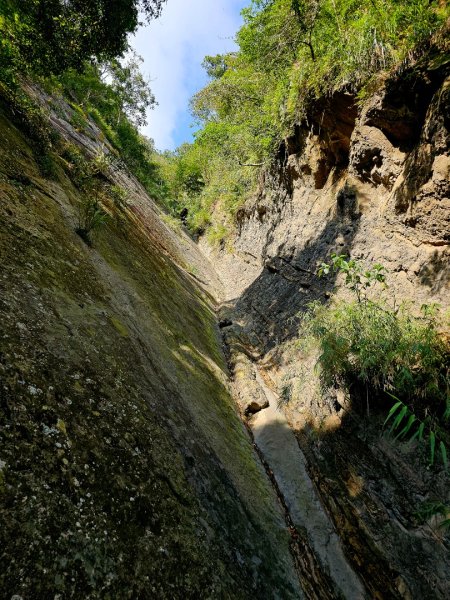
x=83, y=172
x=101, y=163
x=358, y=279
x=386, y=350
x=92, y=217
x=217, y=234
x=198, y=219
x=78, y=122
x=382, y=348
x=285, y=392
x=107, y=130
x=47, y=166
x=78, y=168
x=119, y=195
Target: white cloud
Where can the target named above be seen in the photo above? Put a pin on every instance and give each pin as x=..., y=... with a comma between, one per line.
x=173, y=48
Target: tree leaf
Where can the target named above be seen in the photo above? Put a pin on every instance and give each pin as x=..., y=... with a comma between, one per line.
x=399, y=418
x=407, y=427
x=443, y=454
x=432, y=446
x=419, y=432
x=392, y=411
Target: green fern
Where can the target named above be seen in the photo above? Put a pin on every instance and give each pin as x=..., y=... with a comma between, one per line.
x=432, y=509
x=402, y=414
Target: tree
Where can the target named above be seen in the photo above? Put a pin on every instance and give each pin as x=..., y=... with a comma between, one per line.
x=63, y=34
x=216, y=66
x=271, y=34
x=131, y=90
x=306, y=13
x=115, y=88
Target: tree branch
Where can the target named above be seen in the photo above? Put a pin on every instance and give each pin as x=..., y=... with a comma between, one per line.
x=241, y=164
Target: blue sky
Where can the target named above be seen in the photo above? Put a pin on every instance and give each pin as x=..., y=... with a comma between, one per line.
x=173, y=48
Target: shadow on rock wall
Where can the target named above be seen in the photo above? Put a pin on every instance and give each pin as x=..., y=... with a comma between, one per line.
x=436, y=273
x=373, y=489
x=271, y=306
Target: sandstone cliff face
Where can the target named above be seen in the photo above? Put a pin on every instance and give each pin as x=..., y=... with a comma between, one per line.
x=372, y=182
x=125, y=471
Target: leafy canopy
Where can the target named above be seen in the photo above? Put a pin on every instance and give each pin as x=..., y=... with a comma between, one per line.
x=290, y=53
x=54, y=35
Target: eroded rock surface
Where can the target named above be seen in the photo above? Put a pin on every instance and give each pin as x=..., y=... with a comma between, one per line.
x=372, y=183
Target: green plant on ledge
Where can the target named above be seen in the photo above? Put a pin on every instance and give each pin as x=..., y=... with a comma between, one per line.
x=91, y=218
x=384, y=349
x=357, y=278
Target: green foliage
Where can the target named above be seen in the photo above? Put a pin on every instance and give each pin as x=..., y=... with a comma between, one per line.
x=129, y=89
x=385, y=350
x=116, y=97
x=51, y=36
x=217, y=234
x=382, y=348
x=215, y=66
x=405, y=425
x=12, y=29
x=89, y=176
x=290, y=52
x=357, y=278
x=32, y=120
x=115, y=89
x=203, y=178
x=119, y=195
x=81, y=171
x=432, y=509
x=91, y=217
x=78, y=121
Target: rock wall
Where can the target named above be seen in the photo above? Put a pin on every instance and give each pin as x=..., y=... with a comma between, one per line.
x=125, y=471
x=371, y=181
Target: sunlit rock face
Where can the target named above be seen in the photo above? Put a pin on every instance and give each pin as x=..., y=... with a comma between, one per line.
x=125, y=471
x=372, y=182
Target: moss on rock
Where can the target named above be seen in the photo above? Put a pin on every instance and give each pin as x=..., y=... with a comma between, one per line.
x=129, y=474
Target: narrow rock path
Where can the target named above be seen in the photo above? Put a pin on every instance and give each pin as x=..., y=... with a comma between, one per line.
x=323, y=569
x=280, y=449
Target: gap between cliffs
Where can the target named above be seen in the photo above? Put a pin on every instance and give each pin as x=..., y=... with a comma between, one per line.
x=322, y=567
